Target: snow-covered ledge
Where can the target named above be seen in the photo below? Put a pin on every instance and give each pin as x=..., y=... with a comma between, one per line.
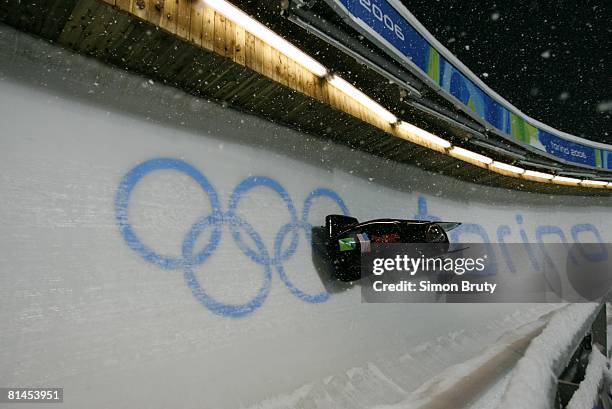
x=586, y=395
x=534, y=379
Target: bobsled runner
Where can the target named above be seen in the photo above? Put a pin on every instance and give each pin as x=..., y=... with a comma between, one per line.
x=347, y=239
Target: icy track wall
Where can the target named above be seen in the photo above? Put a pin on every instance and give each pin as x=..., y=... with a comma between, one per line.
x=109, y=182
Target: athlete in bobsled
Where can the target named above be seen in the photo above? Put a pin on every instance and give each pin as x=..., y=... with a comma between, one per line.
x=347, y=239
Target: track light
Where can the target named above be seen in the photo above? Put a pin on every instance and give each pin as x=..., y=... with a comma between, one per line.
x=507, y=168
x=423, y=134
x=533, y=173
x=362, y=98
x=268, y=36
x=593, y=183
x=566, y=180
x=464, y=153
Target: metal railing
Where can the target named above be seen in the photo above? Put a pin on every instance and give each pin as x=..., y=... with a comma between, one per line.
x=574, y=373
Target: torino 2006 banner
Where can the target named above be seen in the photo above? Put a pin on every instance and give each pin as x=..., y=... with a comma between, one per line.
x=389, y=25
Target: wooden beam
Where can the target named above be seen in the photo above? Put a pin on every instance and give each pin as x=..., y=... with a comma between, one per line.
x=187, y=44
x=193, y=21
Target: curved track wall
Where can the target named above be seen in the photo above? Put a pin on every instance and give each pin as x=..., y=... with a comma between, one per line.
x=109, y=183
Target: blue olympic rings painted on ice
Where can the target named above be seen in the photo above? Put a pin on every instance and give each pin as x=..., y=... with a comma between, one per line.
x=283, y=250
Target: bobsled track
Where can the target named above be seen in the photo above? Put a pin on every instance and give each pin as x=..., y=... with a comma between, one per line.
x=109, y=181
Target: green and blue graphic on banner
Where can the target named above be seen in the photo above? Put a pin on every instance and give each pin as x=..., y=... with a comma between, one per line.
x=382, y=18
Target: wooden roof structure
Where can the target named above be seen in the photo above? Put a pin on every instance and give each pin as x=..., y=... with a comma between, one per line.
x=188, y=45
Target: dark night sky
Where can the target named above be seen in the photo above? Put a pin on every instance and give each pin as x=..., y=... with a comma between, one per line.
x=551, y=59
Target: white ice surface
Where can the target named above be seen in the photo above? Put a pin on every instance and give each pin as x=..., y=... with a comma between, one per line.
x=82, y=310
x=476, y=382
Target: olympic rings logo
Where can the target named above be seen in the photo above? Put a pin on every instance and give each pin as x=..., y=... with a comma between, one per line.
x=285, y=244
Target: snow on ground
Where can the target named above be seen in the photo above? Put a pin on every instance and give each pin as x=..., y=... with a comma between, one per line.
x=477, y=382
x=534, y=378
x=461, y=384
x=491, y=399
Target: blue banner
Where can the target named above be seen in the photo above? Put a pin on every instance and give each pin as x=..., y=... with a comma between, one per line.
x=385, y=22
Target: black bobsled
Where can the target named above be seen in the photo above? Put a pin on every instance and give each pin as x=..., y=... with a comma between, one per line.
x=347, y=239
